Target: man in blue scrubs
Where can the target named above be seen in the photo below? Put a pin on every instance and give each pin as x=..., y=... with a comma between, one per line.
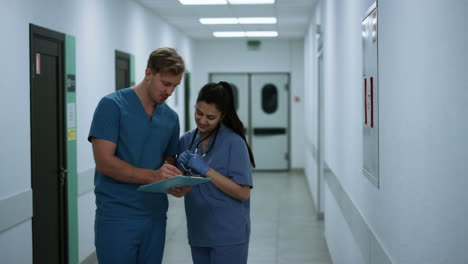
x=134, y=137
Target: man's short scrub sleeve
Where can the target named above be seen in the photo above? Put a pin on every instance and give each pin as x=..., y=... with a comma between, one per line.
x=105, y=123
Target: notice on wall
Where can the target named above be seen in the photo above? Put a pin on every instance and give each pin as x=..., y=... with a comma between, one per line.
x=71, y=121
x=71, y=84
x=71, y=134
x=71, y=115
x=370, y=94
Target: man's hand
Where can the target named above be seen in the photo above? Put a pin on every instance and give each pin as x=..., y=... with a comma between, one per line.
x=179, y=192
x=166, y=171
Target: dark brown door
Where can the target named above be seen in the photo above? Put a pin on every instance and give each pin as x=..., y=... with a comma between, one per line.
x=48, y=170
x=187, y=102
x=122, y=70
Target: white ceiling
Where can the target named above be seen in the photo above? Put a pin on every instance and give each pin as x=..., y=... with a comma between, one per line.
x=293, y=17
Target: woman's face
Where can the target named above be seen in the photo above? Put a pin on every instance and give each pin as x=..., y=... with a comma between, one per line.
x=207, y=117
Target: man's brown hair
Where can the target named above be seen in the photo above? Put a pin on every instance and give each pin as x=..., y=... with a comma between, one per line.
x=166, y=60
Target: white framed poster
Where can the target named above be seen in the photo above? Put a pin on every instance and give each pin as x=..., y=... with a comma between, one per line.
x=370, y=84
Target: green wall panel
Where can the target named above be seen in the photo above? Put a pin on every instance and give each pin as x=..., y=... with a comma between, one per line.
x=132, y=70
x=72, y=184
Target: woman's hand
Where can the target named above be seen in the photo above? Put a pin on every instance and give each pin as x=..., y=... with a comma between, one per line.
x=185, y=156
x=199, y=164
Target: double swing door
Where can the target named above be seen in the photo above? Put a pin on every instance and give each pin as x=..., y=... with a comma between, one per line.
x=263, y=106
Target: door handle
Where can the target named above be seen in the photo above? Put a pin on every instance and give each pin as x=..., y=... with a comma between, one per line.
x=267, y=131
x=62, y=176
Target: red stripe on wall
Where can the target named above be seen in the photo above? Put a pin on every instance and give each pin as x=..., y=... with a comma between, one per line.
x=372, y=101
x=365, y=101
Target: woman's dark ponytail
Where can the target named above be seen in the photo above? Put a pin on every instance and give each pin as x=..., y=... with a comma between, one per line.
x=222, y=95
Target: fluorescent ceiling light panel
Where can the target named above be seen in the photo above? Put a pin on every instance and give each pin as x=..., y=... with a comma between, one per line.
x=261, y=34
x=240, y=20
x=257, y=20
x=225, y=20
x=228, y=34
x=203, y=2
x=250, y=2
x=233, y=34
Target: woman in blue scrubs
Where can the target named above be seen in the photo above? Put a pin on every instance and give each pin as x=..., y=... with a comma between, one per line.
x=218, y=212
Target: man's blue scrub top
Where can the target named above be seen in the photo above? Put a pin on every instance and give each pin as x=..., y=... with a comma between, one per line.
x=214, y=218
x=121, y=118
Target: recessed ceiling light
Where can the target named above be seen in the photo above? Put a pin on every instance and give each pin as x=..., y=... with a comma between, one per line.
x=203, y=2
x=229, y=34
x=261, y=34
x=250, y=2
x=225, y=20
x=240, y=20
x=257, y=20
x=225, y=2
x=233, y=34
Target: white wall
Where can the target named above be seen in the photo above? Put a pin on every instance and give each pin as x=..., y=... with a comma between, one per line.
x=274, y=56
x=340, y=240
x=310, y=148
x=424, y=86
x=100, y=27
x=418, y=215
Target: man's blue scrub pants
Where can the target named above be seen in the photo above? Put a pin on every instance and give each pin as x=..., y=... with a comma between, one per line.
x=130, y=240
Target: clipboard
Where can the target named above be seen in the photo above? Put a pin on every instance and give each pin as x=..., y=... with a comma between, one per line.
x=174, y=182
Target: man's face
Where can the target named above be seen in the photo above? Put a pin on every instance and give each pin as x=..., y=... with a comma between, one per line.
x=161, y=85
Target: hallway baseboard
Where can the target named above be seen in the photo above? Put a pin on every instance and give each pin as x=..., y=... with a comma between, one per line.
x=85, y=181
x=366, y=240
x=297, y=170
x=91, y=259
x=15, y=209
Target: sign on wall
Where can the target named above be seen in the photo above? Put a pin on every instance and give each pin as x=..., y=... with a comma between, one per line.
x=370, y=95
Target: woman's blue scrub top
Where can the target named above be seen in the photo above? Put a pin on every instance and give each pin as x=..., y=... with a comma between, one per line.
x=214, y=218
x=121, y=118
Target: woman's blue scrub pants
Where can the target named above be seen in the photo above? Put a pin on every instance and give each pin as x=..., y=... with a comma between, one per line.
x=235, y=254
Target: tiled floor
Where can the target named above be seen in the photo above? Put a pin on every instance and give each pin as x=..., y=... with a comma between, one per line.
x=285, y=228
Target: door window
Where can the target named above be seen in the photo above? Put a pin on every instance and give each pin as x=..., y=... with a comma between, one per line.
x=269, y=98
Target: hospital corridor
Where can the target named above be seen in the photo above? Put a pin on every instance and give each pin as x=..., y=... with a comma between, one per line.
x=347, y=117
x=285, y=228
